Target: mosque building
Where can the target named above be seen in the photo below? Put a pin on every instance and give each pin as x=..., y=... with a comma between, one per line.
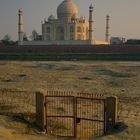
x=67, y=29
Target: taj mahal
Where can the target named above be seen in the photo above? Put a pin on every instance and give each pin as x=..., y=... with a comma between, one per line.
x=67, y=29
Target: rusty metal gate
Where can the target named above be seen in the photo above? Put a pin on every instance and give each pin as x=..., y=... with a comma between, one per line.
x=75, y=116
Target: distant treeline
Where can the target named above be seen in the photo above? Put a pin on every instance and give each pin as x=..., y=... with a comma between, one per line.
x=71, y=49
x=68, y=52
x=70, y=56
x=133, y=41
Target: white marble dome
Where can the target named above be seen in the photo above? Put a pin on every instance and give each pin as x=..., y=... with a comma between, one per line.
x=67, y=9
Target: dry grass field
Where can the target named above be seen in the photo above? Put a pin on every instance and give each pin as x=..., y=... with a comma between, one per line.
x=19, y=80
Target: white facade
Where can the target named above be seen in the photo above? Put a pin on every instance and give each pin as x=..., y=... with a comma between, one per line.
x=117, y=40
x=68, y=26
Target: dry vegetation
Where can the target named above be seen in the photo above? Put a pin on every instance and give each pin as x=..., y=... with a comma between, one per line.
x=20, y=80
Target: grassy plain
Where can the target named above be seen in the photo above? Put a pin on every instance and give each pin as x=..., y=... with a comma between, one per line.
x=20, y=80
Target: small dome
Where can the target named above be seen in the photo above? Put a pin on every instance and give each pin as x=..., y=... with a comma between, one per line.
x=51, y=17
x=91, y=6
x=73, y=17
x=20, y=10
x=67, y=9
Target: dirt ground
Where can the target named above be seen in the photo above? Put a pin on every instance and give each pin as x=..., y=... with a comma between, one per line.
x=20, y=80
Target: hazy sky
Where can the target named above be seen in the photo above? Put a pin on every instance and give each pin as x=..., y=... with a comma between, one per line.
x=125, y=16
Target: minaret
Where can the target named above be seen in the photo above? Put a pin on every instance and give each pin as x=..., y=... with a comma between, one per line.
x=107, y=35
x=20, y=28
x=91, y=25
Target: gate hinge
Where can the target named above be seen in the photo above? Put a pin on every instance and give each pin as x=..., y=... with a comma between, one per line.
x=45, y=104
x=45, y=126
x=105, y=109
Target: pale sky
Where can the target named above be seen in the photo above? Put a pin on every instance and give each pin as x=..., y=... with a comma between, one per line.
x=125, y=16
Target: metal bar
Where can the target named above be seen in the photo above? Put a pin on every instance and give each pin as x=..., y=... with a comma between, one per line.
x=46, y=114
x=60, y=96
x=75, y=115
x=60, y=116
x=97, y=116
x=92, y=114
x=96, y=99
x=63, y=136
x=104, y=117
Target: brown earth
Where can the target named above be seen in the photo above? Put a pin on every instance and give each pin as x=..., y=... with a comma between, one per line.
x=20, y=80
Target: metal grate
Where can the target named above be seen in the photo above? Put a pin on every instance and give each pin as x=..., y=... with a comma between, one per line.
x=90, y=114
x=74, y=115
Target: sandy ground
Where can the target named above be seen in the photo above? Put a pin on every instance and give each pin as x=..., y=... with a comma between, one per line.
x=20, y=80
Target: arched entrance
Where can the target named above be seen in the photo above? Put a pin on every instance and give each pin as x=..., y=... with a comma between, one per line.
x=60, y=33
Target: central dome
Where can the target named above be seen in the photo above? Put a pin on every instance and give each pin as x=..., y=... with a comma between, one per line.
x=67, y=9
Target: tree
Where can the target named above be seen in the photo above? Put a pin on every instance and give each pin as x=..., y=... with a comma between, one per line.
x=34, y=35
x=133, y=41
x=25, y=38
x=6, y=38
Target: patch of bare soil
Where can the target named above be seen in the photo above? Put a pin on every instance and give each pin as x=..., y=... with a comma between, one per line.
x=20, y=80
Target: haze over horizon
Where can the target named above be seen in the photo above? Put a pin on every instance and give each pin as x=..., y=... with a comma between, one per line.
x=125, y=21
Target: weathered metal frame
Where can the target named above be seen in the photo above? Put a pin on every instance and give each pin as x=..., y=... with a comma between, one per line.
x=59, y=116
x=104, y=111
x=109, y=104
x=74, y=116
